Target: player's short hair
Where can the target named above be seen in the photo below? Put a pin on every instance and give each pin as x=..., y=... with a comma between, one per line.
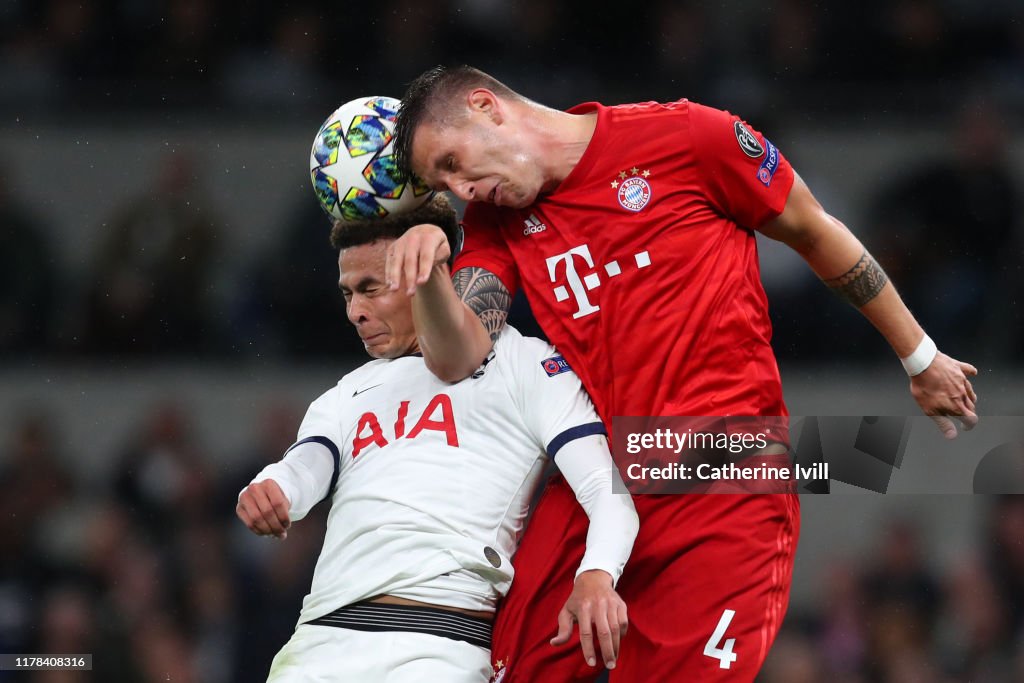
x=438, y=211
x=434, y=96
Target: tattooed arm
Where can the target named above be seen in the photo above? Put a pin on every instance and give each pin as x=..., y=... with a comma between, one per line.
x=455, y=330
x=842, y=262
x=483, y=292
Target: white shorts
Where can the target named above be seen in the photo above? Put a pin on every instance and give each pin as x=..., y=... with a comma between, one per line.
x=327, y=654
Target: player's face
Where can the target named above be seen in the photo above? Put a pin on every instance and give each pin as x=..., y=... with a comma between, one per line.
x=383, y=318
x=478, y=160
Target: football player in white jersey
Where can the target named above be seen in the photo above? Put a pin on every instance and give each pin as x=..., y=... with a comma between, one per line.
x=429, y=485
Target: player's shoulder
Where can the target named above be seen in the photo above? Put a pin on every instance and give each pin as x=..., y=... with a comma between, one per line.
x=529, y=355
x=671, y=113
x=512, y=341
x=648, y=127
x=632, y=112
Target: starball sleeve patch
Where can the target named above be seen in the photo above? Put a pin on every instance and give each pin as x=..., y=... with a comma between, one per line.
x=747, y=140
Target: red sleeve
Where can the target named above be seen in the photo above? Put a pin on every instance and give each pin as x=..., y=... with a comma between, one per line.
x=745, y=175
x=484, y=247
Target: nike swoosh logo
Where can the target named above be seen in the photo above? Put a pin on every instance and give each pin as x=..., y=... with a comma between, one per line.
x=359, y=391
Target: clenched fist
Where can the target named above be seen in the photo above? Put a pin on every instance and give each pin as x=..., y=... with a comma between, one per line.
x=264, y=509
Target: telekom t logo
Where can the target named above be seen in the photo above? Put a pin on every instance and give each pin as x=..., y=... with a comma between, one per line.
x=579, y=286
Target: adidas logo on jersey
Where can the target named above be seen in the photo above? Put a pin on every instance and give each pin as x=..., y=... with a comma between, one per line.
x=533, y=225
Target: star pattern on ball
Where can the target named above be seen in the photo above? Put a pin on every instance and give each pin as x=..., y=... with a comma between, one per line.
x=352, y=168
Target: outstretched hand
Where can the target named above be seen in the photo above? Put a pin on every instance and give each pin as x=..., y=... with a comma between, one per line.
x=594, y=605
x=412, y=257
x=944, y=391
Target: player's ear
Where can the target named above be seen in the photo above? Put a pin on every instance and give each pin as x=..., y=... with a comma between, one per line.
x=484, y=101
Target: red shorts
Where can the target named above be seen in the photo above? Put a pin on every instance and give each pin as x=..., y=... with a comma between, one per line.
x=706, y=588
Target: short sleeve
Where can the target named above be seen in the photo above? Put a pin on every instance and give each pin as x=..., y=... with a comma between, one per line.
x=484, y=247
x=554, y=404
x=323, y=418
x=322, y=425
x=744, y=174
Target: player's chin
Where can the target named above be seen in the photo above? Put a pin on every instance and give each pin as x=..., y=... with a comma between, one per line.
x=529, y=197
x=380, y=349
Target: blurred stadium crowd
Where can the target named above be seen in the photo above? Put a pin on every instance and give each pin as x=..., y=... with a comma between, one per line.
x=150, y=571
x=893, y=616
x=161, y=53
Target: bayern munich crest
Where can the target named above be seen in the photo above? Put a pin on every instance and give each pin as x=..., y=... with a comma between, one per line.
x=634, y=191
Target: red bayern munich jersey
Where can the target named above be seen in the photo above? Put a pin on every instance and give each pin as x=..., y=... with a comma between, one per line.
x=642, y=266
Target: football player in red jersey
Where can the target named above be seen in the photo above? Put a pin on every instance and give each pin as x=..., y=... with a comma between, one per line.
x=631, y=231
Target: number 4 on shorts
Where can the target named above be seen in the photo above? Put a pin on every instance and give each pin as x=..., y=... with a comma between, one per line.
x=724, y=655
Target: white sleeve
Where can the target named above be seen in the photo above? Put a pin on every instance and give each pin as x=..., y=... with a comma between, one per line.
x=554, y=404
x=309, y=470
x=560, y=415
x=587, y=466
x=304, y=475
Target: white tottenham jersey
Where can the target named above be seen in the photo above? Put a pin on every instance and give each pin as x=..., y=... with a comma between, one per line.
x=435, y=479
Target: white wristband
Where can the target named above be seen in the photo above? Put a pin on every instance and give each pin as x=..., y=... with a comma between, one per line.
x=921, y=358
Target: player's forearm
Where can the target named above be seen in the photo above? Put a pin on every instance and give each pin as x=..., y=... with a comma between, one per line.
x=613, y=528
x=453, y=340
x=587, y=466
x=849, y=270
x=303, y=476
x=842, y=262
x=894, y=321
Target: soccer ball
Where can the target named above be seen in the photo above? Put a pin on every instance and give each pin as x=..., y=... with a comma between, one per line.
x=352, y=167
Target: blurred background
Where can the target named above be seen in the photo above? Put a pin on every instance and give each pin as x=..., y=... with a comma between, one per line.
x=168, y=300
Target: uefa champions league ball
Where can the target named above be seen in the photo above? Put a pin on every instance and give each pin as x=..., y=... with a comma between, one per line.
x=352, y=167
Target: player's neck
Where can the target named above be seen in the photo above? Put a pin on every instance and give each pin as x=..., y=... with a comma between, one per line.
x=561, y=140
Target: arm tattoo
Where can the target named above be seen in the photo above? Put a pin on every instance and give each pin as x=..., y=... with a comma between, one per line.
x=485, y=295
x=860, y=284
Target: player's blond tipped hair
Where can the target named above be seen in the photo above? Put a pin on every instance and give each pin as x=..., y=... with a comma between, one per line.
x=432, y=97
x=438, y=211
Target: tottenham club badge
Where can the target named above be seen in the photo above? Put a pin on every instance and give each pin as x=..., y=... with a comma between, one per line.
x=748, y=142
x=633, y=189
